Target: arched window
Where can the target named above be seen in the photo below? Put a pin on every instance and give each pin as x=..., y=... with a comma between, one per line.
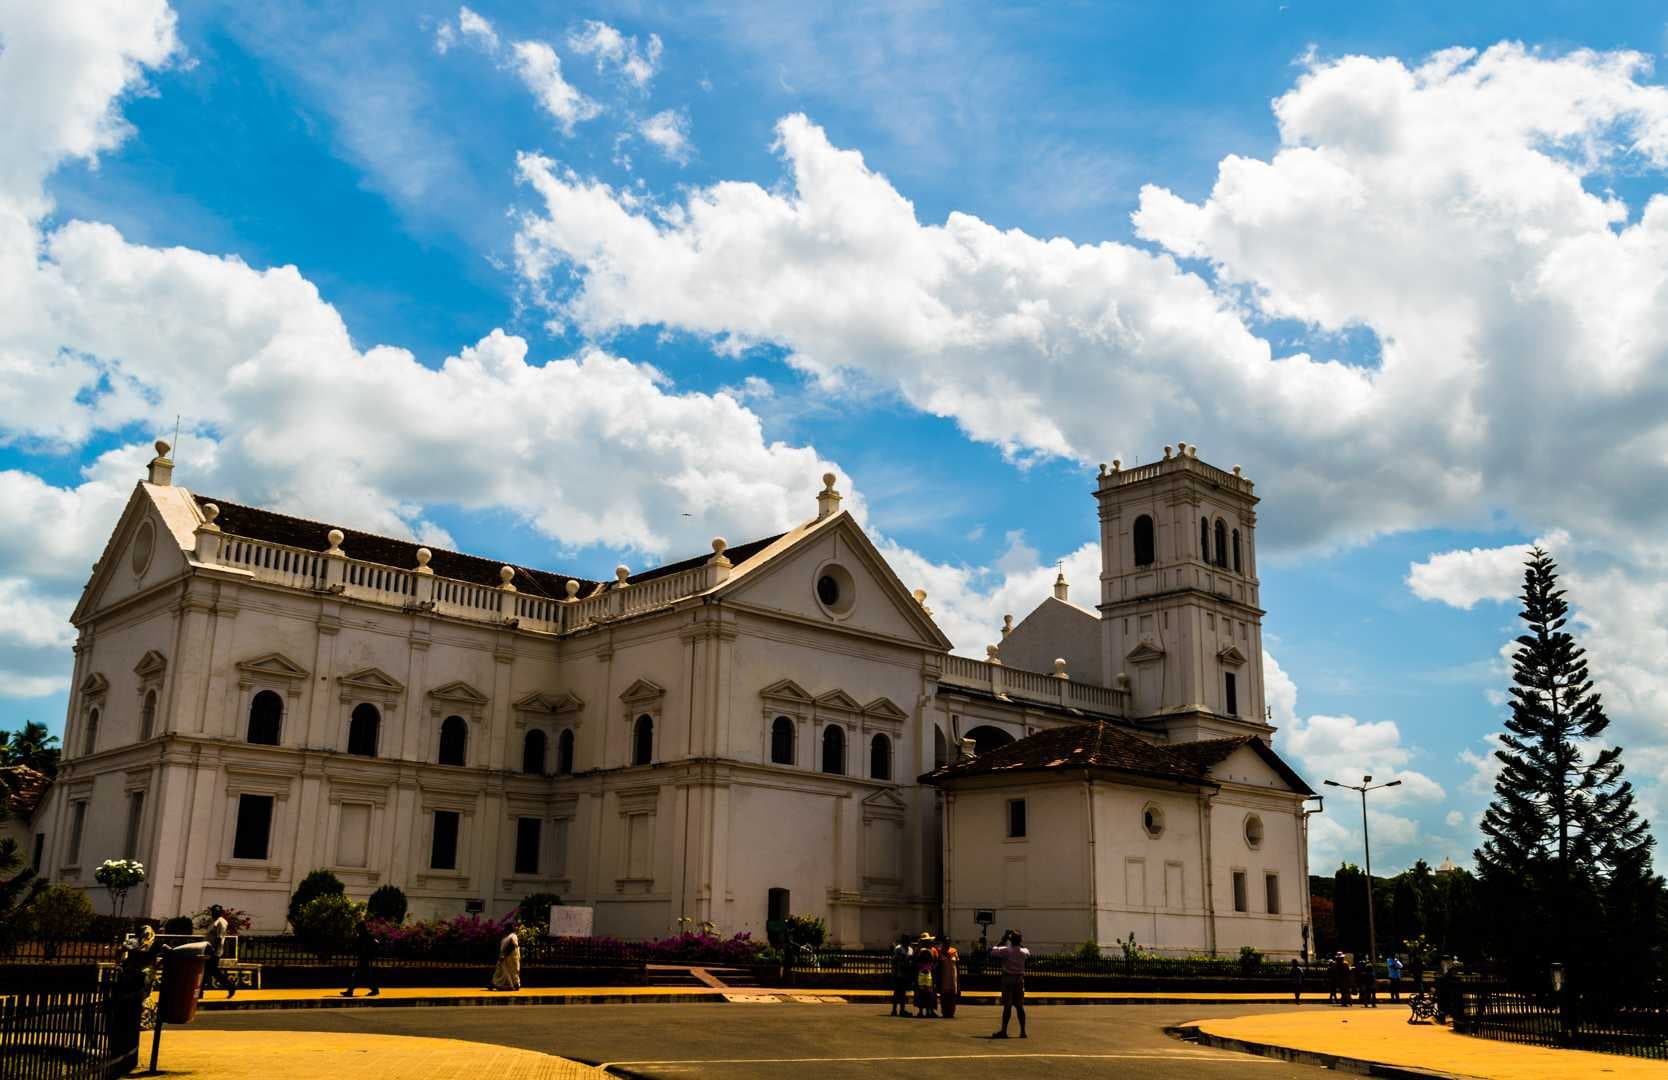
x=834, y=750
x=1237, y=569
x=266, y=718
x=90, y=743
x=1204, y=539
x=781, y=741
x=454, y=740
x=147, y=716
x=532, y=753
x=880, y=758
x=1221, y=544
x=362, y=730
x=564, y=753
x=642, y=740
x=1143, y=541
x=987, y=738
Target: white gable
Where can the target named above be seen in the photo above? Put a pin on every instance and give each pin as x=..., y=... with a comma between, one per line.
x=1246, y=766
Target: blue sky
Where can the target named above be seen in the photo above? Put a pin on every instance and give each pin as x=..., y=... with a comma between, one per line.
x=1371, y=383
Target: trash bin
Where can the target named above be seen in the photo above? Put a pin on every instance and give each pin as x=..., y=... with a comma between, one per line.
x=182, y=976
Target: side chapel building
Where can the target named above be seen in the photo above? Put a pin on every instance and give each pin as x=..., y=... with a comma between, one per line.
x=775, y=727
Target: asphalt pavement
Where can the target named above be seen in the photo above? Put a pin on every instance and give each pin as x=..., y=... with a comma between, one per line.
x=824, y=1041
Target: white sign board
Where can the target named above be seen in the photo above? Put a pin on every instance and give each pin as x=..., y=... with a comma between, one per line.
x=570, y=921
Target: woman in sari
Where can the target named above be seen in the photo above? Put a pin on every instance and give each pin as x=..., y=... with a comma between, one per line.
x=949, y=980
x=507, y=975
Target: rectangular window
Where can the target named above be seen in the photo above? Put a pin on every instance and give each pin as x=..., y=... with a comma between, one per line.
x=1231, y=694
x=353, y=835
x=40, y=852
x=527, y=845
x=1016, y=819
x=135, y=814
x=1271, y=887
x=78, y=819
x=254, y=827
x=443, y=851
x=1240, y=902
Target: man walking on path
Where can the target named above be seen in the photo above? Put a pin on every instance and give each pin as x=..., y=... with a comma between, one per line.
x=1366, y=980
x=1393, y=968
x=1012, y=954
x=1297, y=982
x=903, y=976
x=364, y=949
x=216, y=934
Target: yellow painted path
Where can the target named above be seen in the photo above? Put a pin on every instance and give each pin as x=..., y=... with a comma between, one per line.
x=315, y=1055
x=1385, y=1037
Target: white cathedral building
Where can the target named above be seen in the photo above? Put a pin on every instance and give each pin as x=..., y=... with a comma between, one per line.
x=774, y=727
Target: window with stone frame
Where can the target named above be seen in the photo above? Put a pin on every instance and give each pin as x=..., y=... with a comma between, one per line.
x=834, y=750
x=533, y=745
x=564, y=753
x=364, y=730
x=880, y=758
x=642, y=740
x=454, y=741
x=1145, y=547
x=252, y=833
x=782, y=741
x=266, y=718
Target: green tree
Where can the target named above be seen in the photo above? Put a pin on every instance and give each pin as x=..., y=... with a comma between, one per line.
x=30, y=745
x=387, y=903
x=1562, y=835
x=328, y=923
x=58, y=913
x=17, y=891
x=1349, y=908
x=316, y=884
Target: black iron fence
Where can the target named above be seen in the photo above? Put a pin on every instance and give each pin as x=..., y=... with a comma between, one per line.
x=69, y=1036
x=1495, y=1011
x=876, y=964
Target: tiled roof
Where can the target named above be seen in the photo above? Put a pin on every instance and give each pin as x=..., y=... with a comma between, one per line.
x=257, y=524
x=25, y=788
x=1078, y=746
x=1209, y=752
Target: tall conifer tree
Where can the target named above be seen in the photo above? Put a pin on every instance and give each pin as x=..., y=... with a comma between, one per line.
x=1562, y=831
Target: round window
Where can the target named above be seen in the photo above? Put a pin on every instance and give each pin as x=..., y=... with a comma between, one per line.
x=833, y=589
x=1152, y=820
x=1253, y=831
x=144, y=543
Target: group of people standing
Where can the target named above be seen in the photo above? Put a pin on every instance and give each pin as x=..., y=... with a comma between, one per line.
x=1344, y=980
x=926, y=968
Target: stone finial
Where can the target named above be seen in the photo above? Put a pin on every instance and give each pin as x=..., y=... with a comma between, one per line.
x=1060, y=668
x=718, y=556
x=423, y=557
x=506, y=574
x=1122, y=681
x=1193, y=451
x=920, y=596
x=572, y=589
x=1007, y=625
x=993, y=655
x=1181, y=448
x=335, y=537
x=622, y=572
x=1117, y=464
x=828, y=500
x=966, y=748
x=1236, y=471
x=161, y=471
x=1060, y=586
x=1166, y=451
x=210, y=512
x=1103, y=468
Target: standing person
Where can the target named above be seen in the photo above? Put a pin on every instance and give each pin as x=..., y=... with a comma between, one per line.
x=926, y=961
x=1366, y=980
x=1297, y=982
x=1011, y=953
x=949, y=979
x=365, y=947
x=507, y=975
x=216, y=935
x=903, y=975
x=1393, y=968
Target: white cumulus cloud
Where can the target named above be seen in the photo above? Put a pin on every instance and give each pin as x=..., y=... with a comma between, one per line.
x=534, y=62
x=668, y=132
x=612, y=49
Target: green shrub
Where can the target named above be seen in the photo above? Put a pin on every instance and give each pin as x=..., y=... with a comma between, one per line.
x=179, y=924
x=387, y=904
x=328, y=923
x=534, y=910
x=1089, y=952
x=59, y=912
x=316, y=884
x=806, y=930
x=1249, y=960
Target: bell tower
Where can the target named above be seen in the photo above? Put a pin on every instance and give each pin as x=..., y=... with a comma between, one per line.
x=1180, y=621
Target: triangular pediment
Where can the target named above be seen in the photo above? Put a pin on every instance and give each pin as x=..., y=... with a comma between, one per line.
x=786, y=690
x=1231, y=655
x=374, y=680
x=94, y=685
x=567, y=701
x=1145, y=652
x=536, y=702
x=884, y=799
x=274, y=666
x=838, y=700
x=642, y=690
x=143, y=550
x=460, y=692
x=884, y=709
x=150, y=665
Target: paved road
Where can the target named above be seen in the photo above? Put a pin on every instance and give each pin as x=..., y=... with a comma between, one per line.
x=820, y=1041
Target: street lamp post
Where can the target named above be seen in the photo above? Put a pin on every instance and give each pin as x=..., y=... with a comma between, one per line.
x=1363, y=787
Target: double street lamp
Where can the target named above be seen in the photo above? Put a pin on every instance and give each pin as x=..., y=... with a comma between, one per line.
x=1363, y=787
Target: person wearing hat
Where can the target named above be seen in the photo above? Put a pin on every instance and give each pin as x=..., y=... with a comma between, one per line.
x=926, y=960
x=1012, y=954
